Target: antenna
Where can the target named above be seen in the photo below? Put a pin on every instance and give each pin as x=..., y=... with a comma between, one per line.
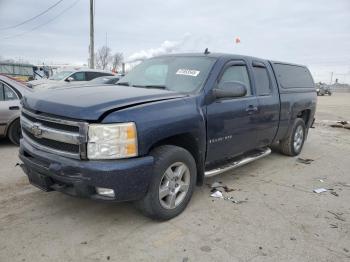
x=206, y=51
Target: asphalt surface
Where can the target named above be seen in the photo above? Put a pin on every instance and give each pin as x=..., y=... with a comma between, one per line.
x=279, y=218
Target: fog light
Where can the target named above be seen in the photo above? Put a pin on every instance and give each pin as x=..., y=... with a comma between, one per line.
x=107, y=192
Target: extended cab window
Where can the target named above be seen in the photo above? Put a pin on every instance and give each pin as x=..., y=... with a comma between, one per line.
x=236, y=73
x=262, y=81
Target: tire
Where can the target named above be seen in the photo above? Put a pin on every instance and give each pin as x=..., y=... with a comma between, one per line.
x=14, y=132
x=168, y=161
x=293, y=143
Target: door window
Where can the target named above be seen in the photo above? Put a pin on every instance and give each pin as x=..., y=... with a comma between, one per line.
x=9, y=94
x=262, y=81
x=2, y=97
x=79, y=76
x=236, y=73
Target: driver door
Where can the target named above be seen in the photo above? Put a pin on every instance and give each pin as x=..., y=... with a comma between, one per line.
x=231, y=127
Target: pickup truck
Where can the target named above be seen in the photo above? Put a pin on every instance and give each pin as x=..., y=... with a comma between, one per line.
x=169, y=123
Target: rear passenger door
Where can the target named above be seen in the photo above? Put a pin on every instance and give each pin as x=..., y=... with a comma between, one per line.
x=268, y=102
x=231, y=127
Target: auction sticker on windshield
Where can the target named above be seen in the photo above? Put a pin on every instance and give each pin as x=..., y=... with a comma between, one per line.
x=188, y=72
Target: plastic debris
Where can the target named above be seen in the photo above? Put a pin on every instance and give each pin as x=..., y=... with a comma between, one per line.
x=321, y=180
x=306, y=161
x=217, y=194
x=320, y=190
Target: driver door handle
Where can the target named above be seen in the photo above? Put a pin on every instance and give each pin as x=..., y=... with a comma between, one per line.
x=14, y=108
x=251, y=109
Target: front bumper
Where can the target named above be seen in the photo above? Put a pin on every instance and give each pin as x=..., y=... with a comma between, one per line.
x=129, y=178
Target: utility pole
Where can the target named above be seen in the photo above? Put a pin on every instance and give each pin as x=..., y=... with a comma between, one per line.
x=331, y=77
x=92, y=52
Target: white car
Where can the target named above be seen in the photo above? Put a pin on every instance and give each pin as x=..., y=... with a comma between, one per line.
x=67, y=77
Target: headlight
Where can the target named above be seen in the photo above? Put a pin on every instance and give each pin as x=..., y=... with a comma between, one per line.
x=112, y=141
x=318, y=90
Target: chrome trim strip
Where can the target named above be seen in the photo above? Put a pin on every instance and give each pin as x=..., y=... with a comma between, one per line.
x=50, y=133
x=51, y=119
x=265, y=151
x=48, y=149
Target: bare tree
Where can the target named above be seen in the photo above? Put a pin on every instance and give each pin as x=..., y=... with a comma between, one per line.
x=103, y=57
x=117, y=60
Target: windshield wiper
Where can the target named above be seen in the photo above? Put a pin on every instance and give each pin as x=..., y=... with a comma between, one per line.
x=152, y=86
x=123, y=84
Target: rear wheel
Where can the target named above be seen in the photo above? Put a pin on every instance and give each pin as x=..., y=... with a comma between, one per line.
x=172, y=184
x=14, y=132
x=293, y=143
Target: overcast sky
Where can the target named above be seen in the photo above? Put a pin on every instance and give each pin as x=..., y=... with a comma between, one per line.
x=313, y=32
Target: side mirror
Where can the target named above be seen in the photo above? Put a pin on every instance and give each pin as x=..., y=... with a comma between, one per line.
x=230, y=90
x=70, y=79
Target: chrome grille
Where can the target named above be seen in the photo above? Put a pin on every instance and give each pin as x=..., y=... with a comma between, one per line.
x=54, y=135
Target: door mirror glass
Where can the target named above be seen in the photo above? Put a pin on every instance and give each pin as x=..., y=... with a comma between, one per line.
x=230, y=90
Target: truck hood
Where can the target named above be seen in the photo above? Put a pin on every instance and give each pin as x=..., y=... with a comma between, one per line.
x=90, y=102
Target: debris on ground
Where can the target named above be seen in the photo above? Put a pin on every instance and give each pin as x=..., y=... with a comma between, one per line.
x=334, y=193
x=320, y=190
x=341, y=124
x=217, y=185
x=306, y=161
x=321, y=180
x=346, y=250
x=337, y=216
x=217, y=189
x=234, y=201
x=84, y=243
x=333, y=225
x=217, y=194
x=293, y=238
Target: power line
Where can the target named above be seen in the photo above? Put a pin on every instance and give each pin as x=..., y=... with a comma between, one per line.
x=32, y=18
x=41, y=25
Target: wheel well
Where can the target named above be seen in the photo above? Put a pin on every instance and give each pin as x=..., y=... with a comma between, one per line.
x=189, y=142
x=305, y=115
x=8, y=126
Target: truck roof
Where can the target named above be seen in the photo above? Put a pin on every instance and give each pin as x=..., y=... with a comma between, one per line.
x=227, y=55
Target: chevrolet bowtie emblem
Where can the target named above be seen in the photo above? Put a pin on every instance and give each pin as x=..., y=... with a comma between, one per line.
x=36, y=130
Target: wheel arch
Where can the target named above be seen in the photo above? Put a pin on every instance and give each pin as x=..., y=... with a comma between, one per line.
x=192, y=144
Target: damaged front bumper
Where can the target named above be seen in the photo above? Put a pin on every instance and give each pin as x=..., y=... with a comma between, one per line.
x=128, y=178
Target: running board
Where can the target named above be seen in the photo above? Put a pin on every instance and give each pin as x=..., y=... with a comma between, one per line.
x=249, y=158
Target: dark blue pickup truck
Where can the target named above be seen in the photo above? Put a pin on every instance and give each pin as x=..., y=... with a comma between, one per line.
x=169, y=123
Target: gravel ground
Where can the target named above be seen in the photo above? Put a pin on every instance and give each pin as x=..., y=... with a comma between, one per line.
x=280, y=220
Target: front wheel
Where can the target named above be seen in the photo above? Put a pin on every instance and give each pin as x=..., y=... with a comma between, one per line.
x=293, y=143
x=172, y=184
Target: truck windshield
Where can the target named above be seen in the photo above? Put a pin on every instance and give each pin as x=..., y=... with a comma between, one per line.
x=175, y=73
x=60, y=75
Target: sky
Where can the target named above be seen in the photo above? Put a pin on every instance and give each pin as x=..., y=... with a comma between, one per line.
x=314, y=32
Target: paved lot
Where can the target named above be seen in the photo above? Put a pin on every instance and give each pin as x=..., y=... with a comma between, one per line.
x=281, y=220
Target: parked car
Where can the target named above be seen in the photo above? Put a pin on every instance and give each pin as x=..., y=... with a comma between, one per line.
x=67, y=77
x=323, y=89
x=172, y=121
x=11, y=91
